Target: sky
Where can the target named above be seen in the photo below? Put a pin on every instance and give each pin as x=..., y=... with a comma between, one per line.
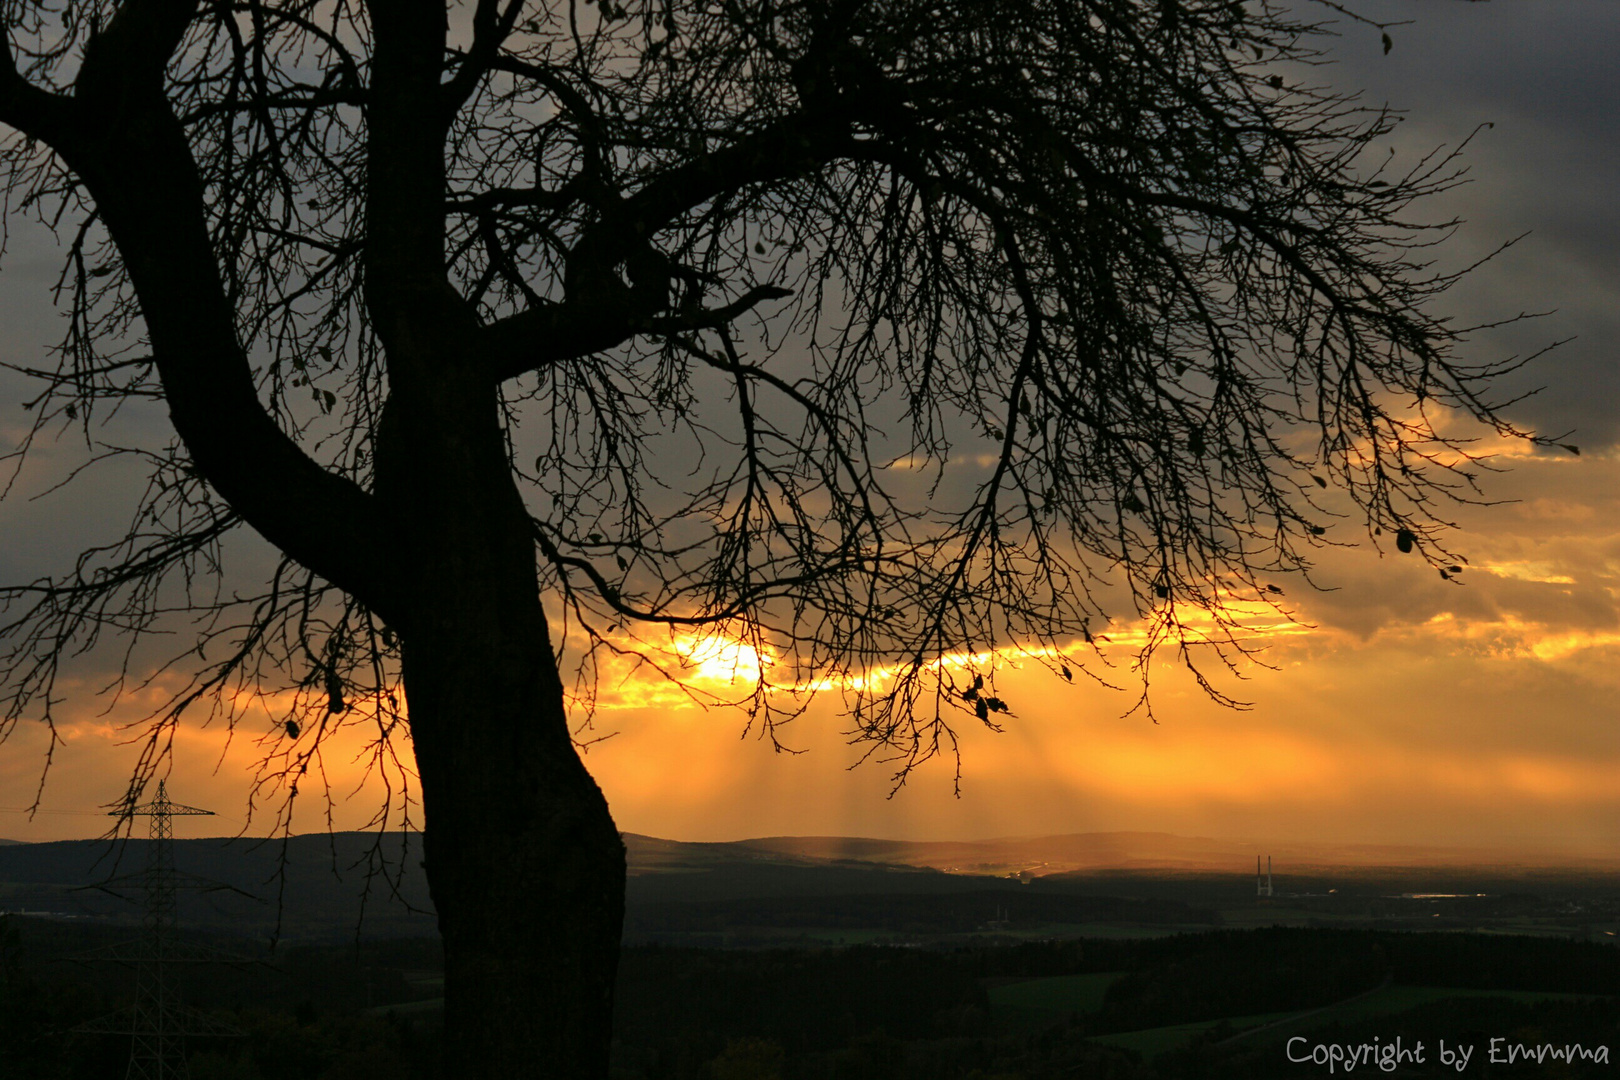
x=1394, y=708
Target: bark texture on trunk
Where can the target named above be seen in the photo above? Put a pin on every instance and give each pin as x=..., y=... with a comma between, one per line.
x=525, y=865
x=523, y=859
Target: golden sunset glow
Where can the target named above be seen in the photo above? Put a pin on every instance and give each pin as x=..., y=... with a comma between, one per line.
x=1396, y=707
x=718, y=659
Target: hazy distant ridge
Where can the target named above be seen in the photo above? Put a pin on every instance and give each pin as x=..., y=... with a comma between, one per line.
x=1041, y=855
x=317, y=885
x=311, y=860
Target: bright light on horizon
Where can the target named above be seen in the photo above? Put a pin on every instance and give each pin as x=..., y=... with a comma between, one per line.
x=720, y=659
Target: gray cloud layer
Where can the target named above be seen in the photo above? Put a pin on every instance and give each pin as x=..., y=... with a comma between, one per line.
x=1546, y=75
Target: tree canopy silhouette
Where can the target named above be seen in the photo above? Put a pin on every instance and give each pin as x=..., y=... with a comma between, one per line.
x=853, y=332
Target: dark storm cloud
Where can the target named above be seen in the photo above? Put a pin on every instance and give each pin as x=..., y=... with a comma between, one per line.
x=1545, y=74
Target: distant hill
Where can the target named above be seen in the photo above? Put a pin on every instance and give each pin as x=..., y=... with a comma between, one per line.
x=322, y=887
x=7, y=843
x=318, y=885
x=663, y=872
x=1041, y=856
x=315, y=886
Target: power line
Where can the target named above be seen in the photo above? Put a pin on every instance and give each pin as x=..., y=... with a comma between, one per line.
x=88, y=813
x=157, y=1024
x=31, y=810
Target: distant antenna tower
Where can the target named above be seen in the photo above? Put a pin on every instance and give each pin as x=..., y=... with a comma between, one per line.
x=158, y=1023
x=1262, y=882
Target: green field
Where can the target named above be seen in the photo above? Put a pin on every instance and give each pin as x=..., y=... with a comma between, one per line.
x=1035, y=1003
x=1394, y=999
x=1153, y=1041
x=1249, y=917
x=1110, y=931
x=834, y=937
x=1382, y=1002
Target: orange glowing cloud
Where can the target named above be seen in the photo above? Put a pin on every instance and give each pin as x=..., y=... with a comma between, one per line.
x=245, y=772
x=1398, y=708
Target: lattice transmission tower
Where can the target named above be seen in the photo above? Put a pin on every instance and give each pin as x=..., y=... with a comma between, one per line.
x=158, y=1023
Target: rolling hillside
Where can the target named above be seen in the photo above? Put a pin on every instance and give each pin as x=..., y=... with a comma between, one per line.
x=319, y=887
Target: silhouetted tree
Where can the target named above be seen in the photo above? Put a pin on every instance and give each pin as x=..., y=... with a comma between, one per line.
x=857, y=332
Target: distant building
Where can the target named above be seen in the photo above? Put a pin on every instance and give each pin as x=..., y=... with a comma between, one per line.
x=1262, y=881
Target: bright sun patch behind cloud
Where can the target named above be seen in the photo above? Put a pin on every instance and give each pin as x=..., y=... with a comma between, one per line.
x=719, y=659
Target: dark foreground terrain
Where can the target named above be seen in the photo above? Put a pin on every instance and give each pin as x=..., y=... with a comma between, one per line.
x=329, y=889
x=838, y=959
x=1216, y=1003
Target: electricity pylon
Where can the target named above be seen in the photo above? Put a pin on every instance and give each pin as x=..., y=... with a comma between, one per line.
x=158, y=1023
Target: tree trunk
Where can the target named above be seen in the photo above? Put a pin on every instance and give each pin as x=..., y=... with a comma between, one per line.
x=525, y=866
x=523, y=860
